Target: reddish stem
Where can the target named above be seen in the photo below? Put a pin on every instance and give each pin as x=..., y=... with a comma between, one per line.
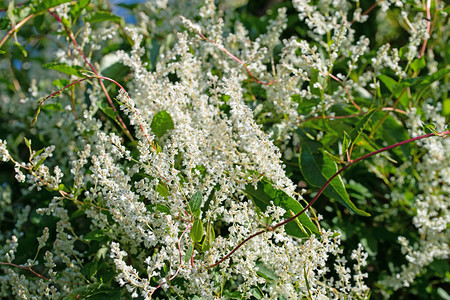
x=71, y=36
x=367, y=11
x=321, y=191
x=179, y=267
x=346, y=90
x=221, y=48
x=33, y=271
x=424, y=46
x=86, y=78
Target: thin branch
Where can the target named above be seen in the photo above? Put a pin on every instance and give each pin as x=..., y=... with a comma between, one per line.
x=368, y=10
x=77, y=47
x=346, y=90
x=14, y=28
x=223, y=49
x=34, y=272
x=354, y=115
x=321, y=191
x=424, y=46
x=179, y=267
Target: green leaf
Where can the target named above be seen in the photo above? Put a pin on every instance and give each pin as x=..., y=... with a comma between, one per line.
x=28, y=143
x=101, y=16
x=317, y=168
x=256, y=293
x=189, y=252
x=108, y=110
x=39, y=163
x=162, y=190
x=90, y=269
x=265, y=272
x=65, y=68
x=265, y=193
x=22, y=49
x=2, y=52
x=359, y=128
x=446, y=106
x=52, y=107
x=97, y=235
x=159, y=207
x=197, y=231
x=77, y=8
x=195, y=203
x=346, y=142
x=44, y=5
x=333, y=157
x=60, y=83
x=209, y=238
x=370, y=145
x=37, y=153
x=83, y=291
x=392, y=86
x=161, y=123
x=234, y=294
x=418, y=64
x=423, y=81
x=429, y=128
x=394, y=132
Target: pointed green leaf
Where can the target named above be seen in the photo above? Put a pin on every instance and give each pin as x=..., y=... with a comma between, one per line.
x=196, y=202
x=37, y=153
x=346, y=142
x=209, y=238
x=197, y=231
x=429, y=128
x=28, y=143
x=22, y=49
x=101, y=16
x=418, y=64
x=77, y=8
x=162, y=190
x=359, y=128
x=394, y=132
x=44, y=5
x=317, y=168
x=65, y=68
x=265, y=272
x=39, y=163
x=97, y=235
x=333, y=157
x=53, y=107
x=159, y=207
x=370, y=145
x=189, y=252
x=423, y=81
x=264, y=193
x=107, y=110
x=395, y=89
x=161, y=123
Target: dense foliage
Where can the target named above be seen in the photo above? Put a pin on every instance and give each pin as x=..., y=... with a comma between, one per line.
x=155, y=149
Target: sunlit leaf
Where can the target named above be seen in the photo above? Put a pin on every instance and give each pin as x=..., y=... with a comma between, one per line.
x=161, y=123
x=265, y=193
x=317, y=168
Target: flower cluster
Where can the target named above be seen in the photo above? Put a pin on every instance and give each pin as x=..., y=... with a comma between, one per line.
x=178, y=186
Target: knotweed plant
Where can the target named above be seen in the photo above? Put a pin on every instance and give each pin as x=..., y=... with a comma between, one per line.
x=183, y=154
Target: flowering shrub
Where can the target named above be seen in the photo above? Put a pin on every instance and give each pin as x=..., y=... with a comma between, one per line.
x=183, y=154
